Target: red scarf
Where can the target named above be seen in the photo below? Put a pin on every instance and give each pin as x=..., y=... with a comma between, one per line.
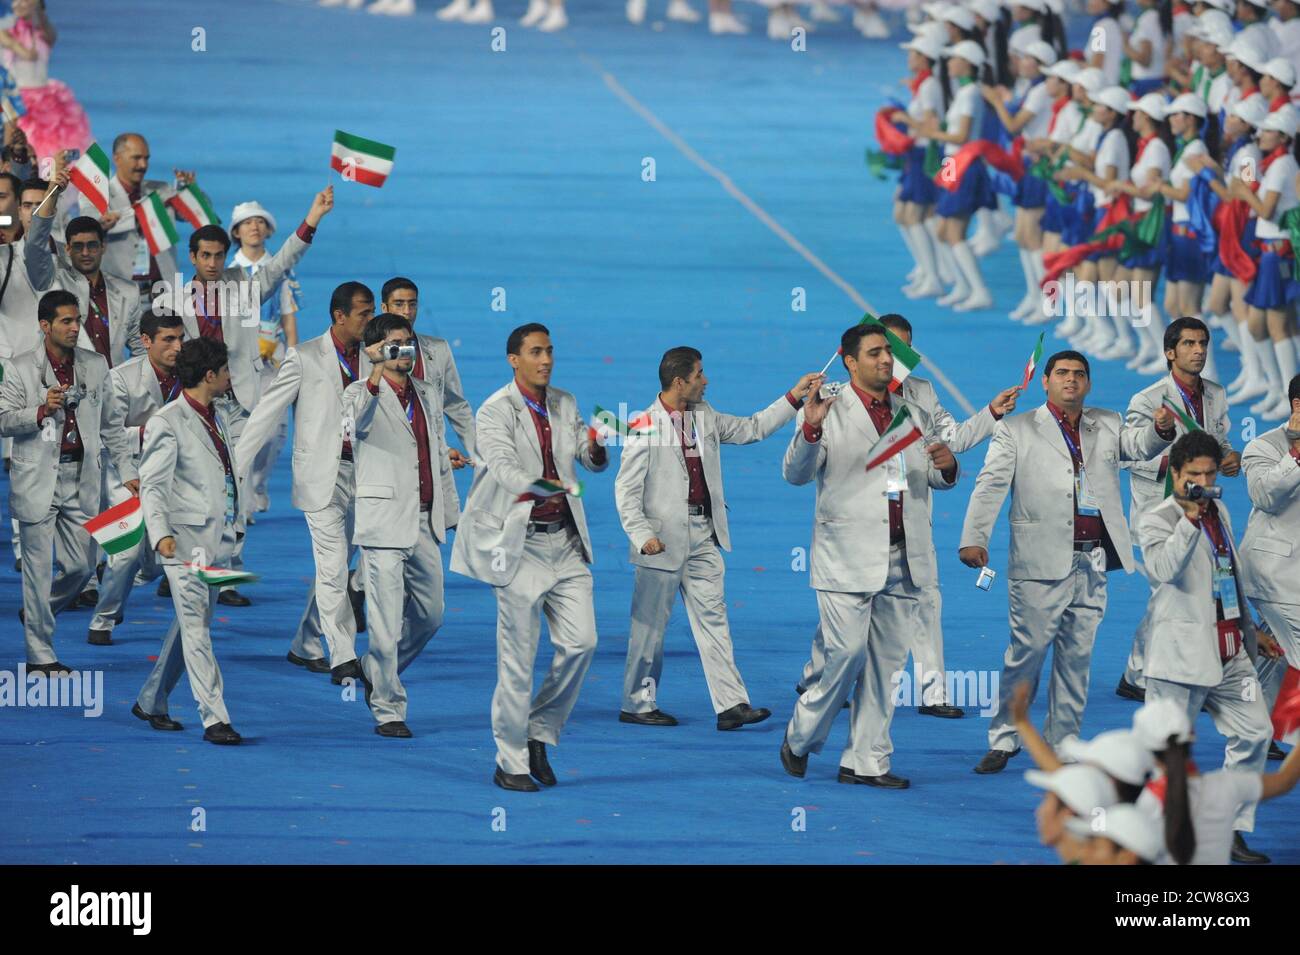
x=1271, y=158
x=1278, y=103
x=918, y=80
x=1056, y=111
x=1057, y=263
x=1142, y=144
x=1159, y=787
x=1248, y=93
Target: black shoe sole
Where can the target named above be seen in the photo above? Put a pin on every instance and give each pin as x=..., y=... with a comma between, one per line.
x=1127, y=691
x=496, y=781
x=624, y=718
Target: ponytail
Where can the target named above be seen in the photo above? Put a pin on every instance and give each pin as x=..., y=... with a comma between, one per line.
x=1180, y=837
x=1212, y=136
x=1165, y=11
x=1002, y=61
x=945, y=82
x=1053, y=32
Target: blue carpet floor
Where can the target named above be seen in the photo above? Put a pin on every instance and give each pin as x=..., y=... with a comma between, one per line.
x=521, y=171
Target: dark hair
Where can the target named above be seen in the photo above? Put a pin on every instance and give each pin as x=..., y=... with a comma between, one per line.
x=209, y=233
x=36, y=182
x=1293, y=389
x=14, y=181
x=1192, y=445
x=1174, y=333
x=1068, y=355
x=1180, y=837
x=52, y=301
x=516, y=339
x=677, y=362
x=1053, y=33
x=151, y=322
x=341, y=300
x=81, y=225
x=198, y=357
x=1210, y=132
x=378, y=328
x=1001, y=57
x=396, y=284
x=852, y=339
x=896, y=323
x=1128, y=792
x=1165, y=12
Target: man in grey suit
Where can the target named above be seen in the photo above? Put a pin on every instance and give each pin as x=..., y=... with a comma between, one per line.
x=1200, y=645
x=54, y=404
x=927, y=640
x=395, y=424
x=673, y=509
x=190, y=498
x=138, y=388
x=524, y=531
x=871, y=553
x=18, y=299
x=1187, y=344
x=311, y=380
x=1061, y=464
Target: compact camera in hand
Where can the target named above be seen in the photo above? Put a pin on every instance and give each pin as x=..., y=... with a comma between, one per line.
x=73, y=396
x=831, y=389
x=397, y=352
x=1195, y=492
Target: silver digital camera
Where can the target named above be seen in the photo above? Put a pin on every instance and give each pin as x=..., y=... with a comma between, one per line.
x=73, y=397
x=831, y=389
x=396, y=352
x=1196, y=492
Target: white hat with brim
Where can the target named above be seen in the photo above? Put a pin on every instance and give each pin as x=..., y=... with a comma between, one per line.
x=1251, y=110
x=986, y=10
x=250, y=210
x=1188, y=103
x=1116, y=752
x=1067, y=70
x=1125, y=825
x=1284, y=121
x=1280, y=69
x=958, y=17
x=1222, y=6
x=968, y=50
x=1262, y=4
x=1155, y=722
x=1248, y=53
x=1042, y=52
x=1153, y=104
x=1084, y=789
x=1114, y=97
x=928, y=46
x=1090, y=78
x=1039, y=6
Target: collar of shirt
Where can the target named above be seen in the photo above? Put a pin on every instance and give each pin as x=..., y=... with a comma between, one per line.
x=99, y=286
x=352, y=352
x=869, y=400
x=1192, y=388
x=540, y=399
x=241, y=259
x=132, y=192
x=1062, y=416
x=205, y=410
x=58, y=364
x=162, y=376
x=403, y=392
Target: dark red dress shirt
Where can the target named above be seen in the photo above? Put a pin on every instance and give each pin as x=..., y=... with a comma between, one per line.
x=415, y=411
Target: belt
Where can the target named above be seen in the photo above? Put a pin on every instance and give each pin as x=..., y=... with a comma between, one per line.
x=1086, y=546
x=70, y=457
x=553, y=527
x=426, y=508
x=1184, y=231
x=696, y=510
x=345, y=455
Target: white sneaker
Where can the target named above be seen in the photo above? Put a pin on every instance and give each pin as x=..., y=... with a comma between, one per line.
x=455, y=10
x=350, y=4
x=779, y=26
x=823, y=12
x=482, y=12
x=927, y=287
x=978, y=300
x=636, y=11
x=873, y=26
x=393, y=8
x=537, y=10
x=556, y=19
x=721, y=23
x=683, y=12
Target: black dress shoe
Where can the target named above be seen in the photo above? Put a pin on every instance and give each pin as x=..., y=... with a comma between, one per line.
x=317, y=665
x=233, y=598
x=88, y=598
x=886, y=781
x=1129, y=691
x=741, y=715
x=119, y=617
x=518, y=784
x=159, y=721
x=49, y=669
x=1244, y=854
x=995, y=760
x=538, y=765
x=944, y=711
x=344, y=670
x=18, y=564
x=358, y=599
x=223, y=734
x=794, y=765
x=100, y=638
x=164, y=588
x=395, y=729
x=653, y=718
x=1275, y=751
x=99, y=571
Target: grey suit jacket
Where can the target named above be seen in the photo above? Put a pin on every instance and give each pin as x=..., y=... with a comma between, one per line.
x=1183, y=645
x=35, y=455
x=1147, y=488
x=971, y=433
x=1272, y=541
x=311, y=382
x=850, y=540
x=490, y=539
x=46, y=271
x=124, y=238
x=1029, y=458
x=387, y=465
x=653, y=484
x=20, y=332
x=440, y=371
x=183, y=483
x=134, y=397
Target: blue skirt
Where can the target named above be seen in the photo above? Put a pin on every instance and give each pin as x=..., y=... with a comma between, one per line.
x=1031, y=192
x=916, y=185
x=1274, y=285
x=1187, y=263
x=973, y=192
x=1143, y=87
x=1053, y=220
x=1152, y=258
x=1078, y=219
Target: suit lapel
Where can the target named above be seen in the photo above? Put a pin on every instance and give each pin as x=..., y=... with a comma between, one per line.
x=200, y=430
x=151, y=383
x=525, y=417
x=1087, y=436
x=1046, y=424
x=857, y=414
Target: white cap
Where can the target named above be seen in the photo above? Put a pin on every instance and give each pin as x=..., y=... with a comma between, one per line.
x=959, y=17
x=1219, y=34
x=1280, y=69
x=1022, y=39
x=1042, y=52
x=933, y=30
x=1153, y=104
x=1252, y=110
x=1227, y=6
x=1057, y=7
x=1247, y=52
x=968, y=50
x=1082, y=788
x=930, y=47
x=1066, y=69
x=1038, y=5
x=1090, y=78
x=1213, y=20
x=935, y=9
x=1284, y=121
x=249, y=210
x=1116, y=97
x=988, y=10
x=1158, y=720
x=1188, y=103
x=1127, y=826
x=1262, y=4
x=1117, y=752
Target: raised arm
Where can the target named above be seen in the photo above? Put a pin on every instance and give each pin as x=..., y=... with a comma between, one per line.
x=1166, y=550
x=271, y=407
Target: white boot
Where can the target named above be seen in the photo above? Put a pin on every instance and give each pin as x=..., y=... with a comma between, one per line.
x=393, y=8
x=945, y=264
x=537, y=11
x=455, y=10
x=823, y=12
x=979, y=297
x=873, y=25
x=721, y=23
x=986, y=237
x=1256, y=383
x=927, y=284
x=1026, y=306
x=481, y=12
x=1211, y=369
x=555, y=19
x=960, y=290
x=1038, y=270
x=635, y=11
x=779, y=25
x=1286, y=363
x=683, y=12
x=1154, y=334
x=1272, y=374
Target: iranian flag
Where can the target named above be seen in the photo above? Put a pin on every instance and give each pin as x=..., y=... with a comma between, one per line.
x=119, y=528
x=1189, y=423
x=1286, y=711
x=90, y=176
x=361, y=160
x=192, y=205
x=222, y=576
x=605, y=424
x=543, y=487
x=901, y=432
x=155, y=223
x=1035, y=357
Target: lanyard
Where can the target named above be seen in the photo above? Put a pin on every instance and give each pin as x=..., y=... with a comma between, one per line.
x=535, y=406
x=343, y=363
x=217, y=432
x=1075, y=452
x=201, y=305
x=1218, y=551
x=1187, y=399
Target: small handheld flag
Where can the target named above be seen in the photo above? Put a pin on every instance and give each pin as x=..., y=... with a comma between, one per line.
x=906, y=358
x=1034, y=358
x=222, y=576
x=902, y=431
x=605, y=424
x=192, y=205
x=156, y=224
x=119, y=528
x=544, y=487
x=90, y=175
x=361, y=160
x=1188, y=421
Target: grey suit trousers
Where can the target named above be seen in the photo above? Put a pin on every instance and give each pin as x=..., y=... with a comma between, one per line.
x=187, y=648
x=553, y=580
x=700, y=580
x=236, y=417
x=1239, y=713
x=1063, y=616
x=328, y=615
x=60, y=532
x=404, y=593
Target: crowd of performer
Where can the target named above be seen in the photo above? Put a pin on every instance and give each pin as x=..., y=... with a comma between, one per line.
x=171, y=408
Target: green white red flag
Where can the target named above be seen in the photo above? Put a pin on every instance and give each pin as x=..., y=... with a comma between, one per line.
x=544, y=487
x=361, y=160
x=1034, y=358
x=906, y=358
x=156, y=224
x=902, y=431
x=192, y=205
x=119, y=528
x=90, y=175
x=222, y=576
x=606, y=424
